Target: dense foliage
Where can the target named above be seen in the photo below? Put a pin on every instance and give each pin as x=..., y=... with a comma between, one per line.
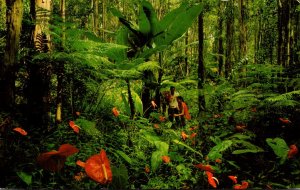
x=246, y=138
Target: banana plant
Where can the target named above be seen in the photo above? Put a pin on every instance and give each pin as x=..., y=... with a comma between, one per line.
x=151, y=35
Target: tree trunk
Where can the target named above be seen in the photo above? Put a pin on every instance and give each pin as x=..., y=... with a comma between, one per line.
x=186, y=51
x=220, y=39
x=38, y=90
x=104, y=7
x=96, y=17
x=243, y=29
x=229, y=39
x=130, y=100
x=160, y=75
x=60, y=66
x=14, y=15
x=201, y=78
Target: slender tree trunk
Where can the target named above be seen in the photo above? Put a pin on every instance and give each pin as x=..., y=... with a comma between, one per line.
x=243, y=29
x=296, y=37
x=14, y=15
x=60, y=67
x=104, y=18
x=280, y=34
x=38, y=91
x=186, y=53
x=201, y=72
x=96, y=17
x=130, y=100
x=220, y=39
x=8, y=69
x=160, y=75
x=229, y=39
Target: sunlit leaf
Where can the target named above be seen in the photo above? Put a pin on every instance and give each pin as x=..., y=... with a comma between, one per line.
x=279, y=147
x=25, y=177
x=124, y=156
x=156, y=160
x=188, y=147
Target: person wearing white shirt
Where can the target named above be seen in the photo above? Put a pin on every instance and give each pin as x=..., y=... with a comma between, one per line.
x=173, y=104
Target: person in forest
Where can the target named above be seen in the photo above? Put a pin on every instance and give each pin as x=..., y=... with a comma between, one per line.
x=183, y=111
x=173, y=104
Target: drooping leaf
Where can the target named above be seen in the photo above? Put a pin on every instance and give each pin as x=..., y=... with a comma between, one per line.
x=124, y=156
x=188, y=147
x=183, y=16
x=162, y=147
x=152, y=17
x=279, y=147
x=144, y=24
x=216, y=151
x=138, y=104
x=25, y=177
x=249, y=147
x=156, y=160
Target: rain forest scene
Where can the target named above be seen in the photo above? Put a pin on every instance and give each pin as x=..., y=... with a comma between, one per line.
x=149, y=94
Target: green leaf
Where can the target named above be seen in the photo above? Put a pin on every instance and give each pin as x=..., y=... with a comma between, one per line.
x=151, y=137
x=162, y=146
x=125, y=101
x=156, y=160
x=25, y=177
x=152, y=17
x=149, y=65
x=138, y=104
x=144, y=24
x=183, y=16
x=89, y=127
x=240, y=136
x=120, y=177
x=250, y=148
x=216, y=151
x=188, y=147
x=124, y=156
x=279, y=147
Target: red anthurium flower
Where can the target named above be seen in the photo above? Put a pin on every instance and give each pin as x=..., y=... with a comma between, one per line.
x=204, y=167
x=218, y=160
x=166, y=159
x=147, y=169
x=240, y=127
x=211, y=179
x=20, y=130
x=97, y=167
x=253, y=109
x=284, y=120
x=80, y=163
x=193, y=135
x=55, y=160
x=183, y=135
x=244, y=185
x=115, y=112
x=156, y=126
x=74, y=126
x=193, y=128
x=233, y=178
x=293, y=151
x=161, y=118
x=217, y=116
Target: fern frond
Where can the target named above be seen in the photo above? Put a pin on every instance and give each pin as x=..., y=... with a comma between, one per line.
x=148, y=66
x=285, y=96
